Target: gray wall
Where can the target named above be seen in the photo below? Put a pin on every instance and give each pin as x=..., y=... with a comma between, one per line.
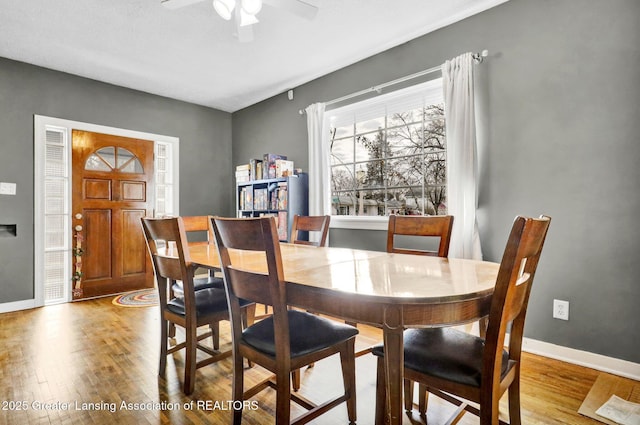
x=25, y=90
x=563, y=107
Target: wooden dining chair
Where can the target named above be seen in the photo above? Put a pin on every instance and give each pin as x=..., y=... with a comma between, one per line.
x=304, y=224
x=411, y=225
x=167, y=243
x=437, y=226
x=199, y=226
x=288, y=339
x=301, y=230
x=300, y=233
x=454, y=364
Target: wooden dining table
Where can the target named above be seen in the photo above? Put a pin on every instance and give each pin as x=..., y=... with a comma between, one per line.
x=386, y=290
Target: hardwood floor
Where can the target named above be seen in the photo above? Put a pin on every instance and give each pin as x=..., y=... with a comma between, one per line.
x=91, y=362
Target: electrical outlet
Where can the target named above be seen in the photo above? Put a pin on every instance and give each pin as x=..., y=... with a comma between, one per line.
x=7, y=188
x=561, y=309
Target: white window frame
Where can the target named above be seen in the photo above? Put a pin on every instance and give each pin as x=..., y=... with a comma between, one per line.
x=169, y=176
x=427, y=90
x=40, y=238
x=41, y=124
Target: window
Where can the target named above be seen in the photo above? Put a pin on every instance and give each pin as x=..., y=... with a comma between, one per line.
x=165, y=176
x=113, y=158
x=388, y=154
x=56, y=181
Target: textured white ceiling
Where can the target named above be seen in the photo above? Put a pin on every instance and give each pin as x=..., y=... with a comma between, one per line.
x=190, y=54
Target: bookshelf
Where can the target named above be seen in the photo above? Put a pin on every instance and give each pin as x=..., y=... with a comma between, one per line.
x=281, y=197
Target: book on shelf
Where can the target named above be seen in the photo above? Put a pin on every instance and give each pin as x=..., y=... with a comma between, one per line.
x=253, y=169
x=269, y=165
x=283, y=226
x=272, y=195
x=283, y=190
x=259, y=170
x=281, y=223
x=246, y=198
x=242, y=177
x=260, y=201
x=242, y=173
x=284, y=168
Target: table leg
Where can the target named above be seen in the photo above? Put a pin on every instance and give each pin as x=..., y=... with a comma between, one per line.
x=394, y=361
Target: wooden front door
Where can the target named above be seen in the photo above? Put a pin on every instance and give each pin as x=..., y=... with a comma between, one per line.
x=112, y=189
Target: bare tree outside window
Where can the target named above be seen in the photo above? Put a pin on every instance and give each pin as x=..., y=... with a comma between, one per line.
x=393, y=164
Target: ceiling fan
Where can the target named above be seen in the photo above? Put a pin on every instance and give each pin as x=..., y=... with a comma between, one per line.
x=244, y=12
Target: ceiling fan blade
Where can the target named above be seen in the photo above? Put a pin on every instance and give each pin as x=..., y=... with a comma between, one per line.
x=177, y=4
x=304, y=9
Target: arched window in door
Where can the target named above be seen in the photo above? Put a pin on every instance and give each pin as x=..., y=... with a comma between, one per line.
x=113, y=158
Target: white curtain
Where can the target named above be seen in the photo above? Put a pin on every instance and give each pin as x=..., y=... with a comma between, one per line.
x=462, y=162
x=319, y=179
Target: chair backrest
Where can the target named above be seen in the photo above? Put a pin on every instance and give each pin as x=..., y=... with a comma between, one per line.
x=309, y=223
x=257, y=240
x=511, y=295
x=198, y=223
x=169, y=251
x=437, y=225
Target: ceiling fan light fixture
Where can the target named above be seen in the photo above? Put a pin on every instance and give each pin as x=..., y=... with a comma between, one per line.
x=224, y=8
x=251, y=7
x=246, y=19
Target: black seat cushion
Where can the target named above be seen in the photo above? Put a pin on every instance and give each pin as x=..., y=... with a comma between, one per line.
x=208, y=301
x=445, y=353
x=198, y=284
x=308, y=333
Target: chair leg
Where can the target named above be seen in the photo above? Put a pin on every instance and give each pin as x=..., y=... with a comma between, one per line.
x=408, y=395
x=514, y=401
x=295, y=379
x=489, y=409
x=238, y=388
x=381, y=393
x=423, y=399
x=283, y=395
x=164, y=324
x=191, y=337
x=348, y=362
x=215, y=334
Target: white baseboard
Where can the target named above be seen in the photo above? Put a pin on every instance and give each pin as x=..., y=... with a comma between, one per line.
x=583, y=358
x=17, y=305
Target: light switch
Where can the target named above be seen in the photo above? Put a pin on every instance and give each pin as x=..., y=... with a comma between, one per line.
x=7, y=188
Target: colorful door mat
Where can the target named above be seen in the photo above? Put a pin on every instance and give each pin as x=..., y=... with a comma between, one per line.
x=141, y=298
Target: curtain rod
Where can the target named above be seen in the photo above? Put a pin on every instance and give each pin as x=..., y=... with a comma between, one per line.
x=478, y=57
